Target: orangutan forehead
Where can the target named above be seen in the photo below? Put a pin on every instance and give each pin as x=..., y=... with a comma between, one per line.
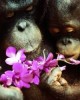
x=14, y=4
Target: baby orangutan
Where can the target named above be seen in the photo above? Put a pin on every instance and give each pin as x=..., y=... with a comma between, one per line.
x=63, y=23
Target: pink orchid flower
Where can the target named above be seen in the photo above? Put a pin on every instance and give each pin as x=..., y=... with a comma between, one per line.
x=14, y=56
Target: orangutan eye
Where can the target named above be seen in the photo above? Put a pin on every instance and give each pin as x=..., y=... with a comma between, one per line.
x=69, y=29
x=54, y=30
x=29, y=8
x=9, y=14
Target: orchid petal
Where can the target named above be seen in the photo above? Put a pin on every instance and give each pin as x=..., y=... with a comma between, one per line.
x=18, y=67
x=11, y=61
x=28, y=62
x=3, y=78
x=9, y=81
x=9, y=73
x=26, y=85
x=60, y=57
x=27, y=77
x=41, y=67
x=37, y=72
x=20, y=55
x=52, y=63
x=46, y=70
x=10, y=52
x=74, y=62
x=50, y=57
x=39, y=58
x=34, y=65
x=18, y=84
x=63, y=68
x=36, y=80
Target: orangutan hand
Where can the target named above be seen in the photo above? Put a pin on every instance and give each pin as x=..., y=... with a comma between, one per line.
x=55, y=80
x=11, y=93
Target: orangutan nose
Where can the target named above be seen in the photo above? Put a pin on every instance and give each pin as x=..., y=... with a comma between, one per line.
x=22, y=25
x=65, y=41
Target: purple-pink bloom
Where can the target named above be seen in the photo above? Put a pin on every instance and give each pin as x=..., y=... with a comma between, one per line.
x=22, y=76
x=6, y=78
x=36, y=71
x=47, y=63
x=36, y=80
x=25, y=72
x=60, y=57
x=62, y=68
x=13, y=56
x=34, y=66
x=74, y=62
